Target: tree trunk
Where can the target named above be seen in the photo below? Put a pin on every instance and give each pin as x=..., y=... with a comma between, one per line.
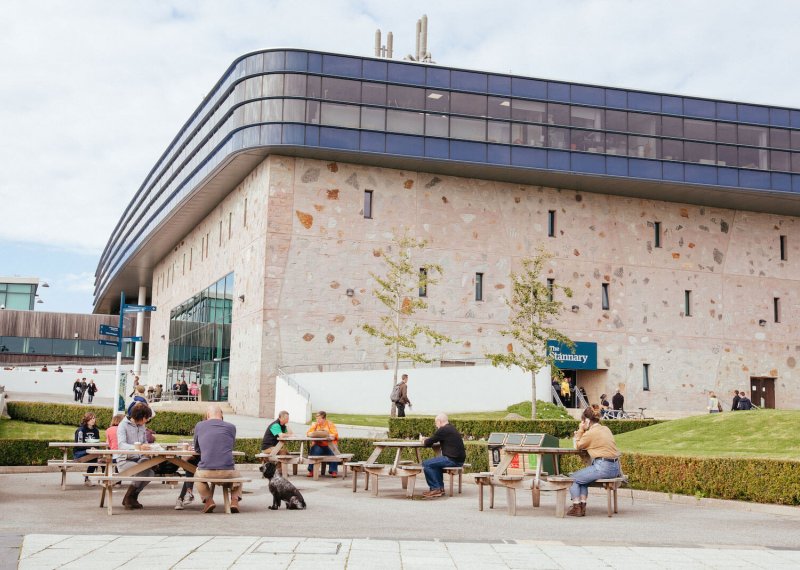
x=533, y=395
x=393, y=410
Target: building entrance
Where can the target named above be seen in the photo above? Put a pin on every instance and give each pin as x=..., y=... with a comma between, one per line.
x=762, y=391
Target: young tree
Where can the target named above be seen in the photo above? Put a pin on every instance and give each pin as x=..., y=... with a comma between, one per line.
x=398, y=291
x=533, y=309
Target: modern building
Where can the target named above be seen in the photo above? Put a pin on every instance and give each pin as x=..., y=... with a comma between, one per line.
x=19, y=293
x=674, y=220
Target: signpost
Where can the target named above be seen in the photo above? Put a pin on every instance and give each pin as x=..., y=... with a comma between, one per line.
x=109, y=330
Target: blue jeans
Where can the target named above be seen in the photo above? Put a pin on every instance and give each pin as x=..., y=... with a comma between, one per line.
x=599, y=469
x=323, y=450
x=433, y=468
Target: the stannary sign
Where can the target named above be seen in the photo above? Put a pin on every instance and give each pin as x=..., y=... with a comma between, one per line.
x=583, y=356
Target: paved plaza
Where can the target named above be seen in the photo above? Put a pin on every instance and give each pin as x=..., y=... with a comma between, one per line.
x=50, y=528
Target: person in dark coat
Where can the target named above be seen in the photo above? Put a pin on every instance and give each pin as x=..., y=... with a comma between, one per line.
x=744, y=402
x=84, y=386
x=618, y=401
x=453, y=455
x=736, y=399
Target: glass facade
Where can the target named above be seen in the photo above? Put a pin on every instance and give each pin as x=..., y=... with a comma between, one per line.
x=63, y=347
x=295, y=98
x=200, y=340
x=17, y=296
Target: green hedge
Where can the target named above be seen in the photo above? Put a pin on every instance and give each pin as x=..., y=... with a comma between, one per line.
x=410, y=428
x=178, y=423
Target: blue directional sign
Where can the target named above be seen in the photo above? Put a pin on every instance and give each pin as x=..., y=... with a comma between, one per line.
x=109, y=330
x=132, y=339
x=107, y=342
x=139, y=308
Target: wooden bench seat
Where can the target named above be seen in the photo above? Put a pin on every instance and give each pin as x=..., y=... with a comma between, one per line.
x=317, y=460
x=226, y=484
x=407, y=473
x=358, y=467
x=451, y=472
x=68, y=465
x=611, y=486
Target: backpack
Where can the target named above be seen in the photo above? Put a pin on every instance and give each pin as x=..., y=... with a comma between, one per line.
x=396, y=391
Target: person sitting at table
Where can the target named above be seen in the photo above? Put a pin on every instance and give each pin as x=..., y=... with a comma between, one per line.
x=111, y=436
x=598, y=441
x=131, y=431
x=214, y=439
x=323, y=428
x=86, y=432
x=453, y=455
x=275, y=429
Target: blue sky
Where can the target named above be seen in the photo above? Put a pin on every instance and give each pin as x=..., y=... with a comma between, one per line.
x=93, y=91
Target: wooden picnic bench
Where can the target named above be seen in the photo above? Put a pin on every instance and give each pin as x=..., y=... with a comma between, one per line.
x=65, y=463
x=406, y=472
x=610, y=485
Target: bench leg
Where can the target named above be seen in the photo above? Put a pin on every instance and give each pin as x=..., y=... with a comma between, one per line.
x=491, y=496
x=355, y=480
x=411, y=482
x=64, y=480
x=375, y=490
x=404, y=482
x=451, y=476
x=561, y=499
x=344, y=470
x=316, y=469
x=294, y=468
x=608, y=498
x=480, y=496
x=536, y=496
x=366, y=481
x=226, y=496
x=615, y=500
x=511, y=500
x=461, y=472
x=109, y=486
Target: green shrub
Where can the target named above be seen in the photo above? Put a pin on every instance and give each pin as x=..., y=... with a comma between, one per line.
x=410, y=428
x=178, y=423
x=544, y=410
x=27, y=452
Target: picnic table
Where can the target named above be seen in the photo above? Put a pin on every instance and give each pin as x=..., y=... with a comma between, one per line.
x=407, y=471
x=88, y=460
x=177, y=454
x=284, y=459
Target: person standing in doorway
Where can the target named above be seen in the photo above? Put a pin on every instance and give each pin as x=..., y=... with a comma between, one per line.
x=402, y=400
x=736, y=398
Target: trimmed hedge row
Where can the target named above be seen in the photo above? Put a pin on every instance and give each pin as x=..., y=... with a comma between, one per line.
x=756, y=480
x=410, y=428
x=177, y=423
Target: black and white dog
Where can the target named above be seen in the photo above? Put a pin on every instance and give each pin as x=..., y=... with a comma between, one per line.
x=282, y=490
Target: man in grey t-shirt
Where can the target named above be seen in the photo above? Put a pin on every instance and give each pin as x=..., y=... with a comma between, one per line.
x=214, y=440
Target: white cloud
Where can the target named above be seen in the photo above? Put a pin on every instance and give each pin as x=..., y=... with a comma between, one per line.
x=92, y=92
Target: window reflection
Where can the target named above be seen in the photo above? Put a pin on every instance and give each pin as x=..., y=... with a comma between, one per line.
x=557, y=114
x=586, y=118
x=405, y=122
x=530, y=111
x=644, y=124
x=469, y=129
x=700, y=130
x=779, y=160
x=700, y=152
x=752, y=135
x=529, y=135
x=587, y=141
x=468, y=104
x=373, y=93
x=752, y=157
x=499, y=132
x=727, y=155
x=672, y=149
x=499, y=107
x=405, y=97
x=437, y=100
x=436, y=125
x=557, y=138
x=643, y=147
x=616, y=144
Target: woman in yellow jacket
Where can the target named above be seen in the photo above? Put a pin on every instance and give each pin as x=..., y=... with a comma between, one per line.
x=323, y=427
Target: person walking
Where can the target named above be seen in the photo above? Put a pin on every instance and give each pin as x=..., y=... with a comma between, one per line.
x=744, y=402
x=76, y=389
x=91, y=389
x=714, y=406
x=736, y=398
x=84, y=387
x=402, y=398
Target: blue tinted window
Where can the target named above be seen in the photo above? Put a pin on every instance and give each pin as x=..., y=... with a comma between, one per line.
x=557, y=91
x=315, y=63
x=726, y=111
x=405, y=144
x=753, y=114
x=672, y=105
x=293, y=134
x=644, y=168
x=438, y=77
x=528, y=88
x=374, y=70
x=338, y=138
x=699, y=108
x=781, y=181
x=530, y=157
x=727, y=177
x=796, y=183
x=437, y=148
x=296, y=61
x=270, y=134
x=312, y=136
x=467, y=151
x=558, y=159
x=779, y=117
x=499, y=154
x=468, y=81
x=588, y=163
x=273, y=61
x=338, y=65
x=673, y=171
x=405, y=73
x=373, y=142
x=588, y=95
x=700, y=174
x=499, y=85
x=750, y=179
x=646, y=102
x=795, y=119
x=616, y=98
x=616, y=166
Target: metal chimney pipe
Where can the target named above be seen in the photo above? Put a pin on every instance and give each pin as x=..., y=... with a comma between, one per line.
x=419, y=33
x=389, y=44
x=424, y=39
x=377, y=43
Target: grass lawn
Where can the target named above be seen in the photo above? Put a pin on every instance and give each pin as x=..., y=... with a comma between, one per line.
x=13, y=429
x=758, y=433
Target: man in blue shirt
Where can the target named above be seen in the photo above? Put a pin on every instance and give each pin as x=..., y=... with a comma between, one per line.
x=214, y=440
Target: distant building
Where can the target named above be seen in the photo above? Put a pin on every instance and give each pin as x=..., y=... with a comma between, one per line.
x=674, y=219
x=18, y=293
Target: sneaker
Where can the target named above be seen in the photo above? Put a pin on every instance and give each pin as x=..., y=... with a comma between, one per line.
x=188, y=499
x=178, y=504
x=209, y=505
x=334, y=475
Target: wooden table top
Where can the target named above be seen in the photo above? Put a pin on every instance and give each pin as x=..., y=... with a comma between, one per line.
x=398, y=443
x=76, y=444
x=298, y=437
x=154, y=452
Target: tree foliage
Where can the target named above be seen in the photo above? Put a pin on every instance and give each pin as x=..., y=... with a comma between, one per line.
x=398, y=291
x=533, y=310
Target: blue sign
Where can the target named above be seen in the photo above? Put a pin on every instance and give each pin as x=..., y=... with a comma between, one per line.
x=109, y=330
x=583, y=356
x=138, y=308
x=132, y=339
x=107, y=342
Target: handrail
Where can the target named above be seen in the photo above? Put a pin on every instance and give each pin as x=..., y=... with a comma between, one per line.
x=291, y=382
x=557, y=397
x=581, y=400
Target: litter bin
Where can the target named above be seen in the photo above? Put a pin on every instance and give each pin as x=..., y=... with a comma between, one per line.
x=205, y=392
x=497, y=440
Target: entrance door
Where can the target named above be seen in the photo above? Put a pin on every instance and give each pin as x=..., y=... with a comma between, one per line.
x=763, y=391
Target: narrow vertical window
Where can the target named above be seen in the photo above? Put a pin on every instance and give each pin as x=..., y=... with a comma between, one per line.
x=551, y=223
x=220, y=233
x=208, y=239
x=191, y=254
x=606, y=305
x=479, y=286
x=245, y=212
x=202, y=247
x=230, y=224
x=550, y=285
x=368, y=204
x=423, y=282
x=657, y=234
x=646, y=377
x=183, y=271
x=687, y=303
x=776, y=309
x=784, y=253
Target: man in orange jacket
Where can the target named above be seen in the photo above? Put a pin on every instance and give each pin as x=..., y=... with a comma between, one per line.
x=320, y=428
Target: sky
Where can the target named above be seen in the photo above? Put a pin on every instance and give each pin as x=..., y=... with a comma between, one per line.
x=92, y=92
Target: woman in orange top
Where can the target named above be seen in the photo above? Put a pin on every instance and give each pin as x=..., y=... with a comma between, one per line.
x=323, y=447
